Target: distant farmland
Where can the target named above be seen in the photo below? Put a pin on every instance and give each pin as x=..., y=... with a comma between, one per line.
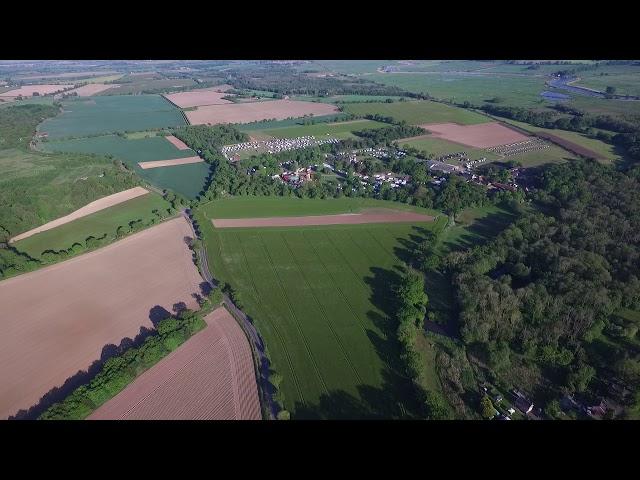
x=185, y=179
x=81, y=117
x=418, y=112
x=338, y=130
x=249, y=112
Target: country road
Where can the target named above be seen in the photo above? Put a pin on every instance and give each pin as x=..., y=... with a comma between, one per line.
x=255, y=341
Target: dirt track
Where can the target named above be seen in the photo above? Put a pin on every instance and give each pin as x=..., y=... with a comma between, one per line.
x=483, y=135
x=88, y=209
x=342, y=219
x=249, y=112
x=179, y=144
x=56, y=321
x=210, y=377
x=169, y=163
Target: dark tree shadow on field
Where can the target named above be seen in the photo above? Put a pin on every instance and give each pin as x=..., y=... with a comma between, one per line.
x=83, y=377
x=179, y=307
x=188, y=240
x=157, y=314
x=205, y=288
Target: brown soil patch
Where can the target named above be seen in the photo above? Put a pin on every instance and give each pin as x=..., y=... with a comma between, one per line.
x=169, y=163
x=483, y=135
x=179, y=144
x=194, y=98
x=29, y=90
x=88, y=209
x=56, y=321
x=376, y=216
x=571, y=146
x=249, y=112
x=210, y=377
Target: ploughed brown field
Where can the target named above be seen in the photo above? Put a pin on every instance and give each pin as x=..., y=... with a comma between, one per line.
x=169, y=163
x=482, y=135
x=210, y=377
x=88, y=209
x=56, y=321
x=179, y=144
x=194, y=98
x=571, y=146
x=28, y=90
x=374, y=216
x=249, y=112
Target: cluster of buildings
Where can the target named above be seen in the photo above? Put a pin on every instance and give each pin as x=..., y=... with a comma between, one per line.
x=472, y=163
x=274, y=146
x=377, y=180
x=296, y=178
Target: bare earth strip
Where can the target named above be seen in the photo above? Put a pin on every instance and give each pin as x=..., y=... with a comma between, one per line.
x=179, y=144
x=56, y=321
x=483, y=135
x=249, y=112
x=91, y=89
x=209, y=377
x=88, y=209
x=28, y=90
x=342, y=219
x=194, y=98
x=169, y=163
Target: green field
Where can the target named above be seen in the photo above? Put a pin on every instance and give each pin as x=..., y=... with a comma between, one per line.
x=110, y=114
x=439, y=147
x=29, y=101
x=57, y=184
x=140, y=84
x=346, y=98
x=320, y=298
x=515, y=90
x=97, y=224
x=418, y=112
x=625, y=78
x=338, y=130
x=255, y=207
x=185, y=179
x=605, y=149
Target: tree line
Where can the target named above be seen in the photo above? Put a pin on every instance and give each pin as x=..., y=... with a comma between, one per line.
x=548, y=286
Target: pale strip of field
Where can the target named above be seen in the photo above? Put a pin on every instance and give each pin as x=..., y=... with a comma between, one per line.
x=169, y=163
x=194, y=98
x=341, y=219
x=482, y=135
x=91, y=89
x=56, y=321
x=29, y=90
x=179, y=144
x=210, y=377
x=88, y=209
x=249, y=112
x=70, y=75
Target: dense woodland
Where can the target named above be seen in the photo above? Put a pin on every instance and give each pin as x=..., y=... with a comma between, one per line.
x=538, y=303
x=284, y=80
